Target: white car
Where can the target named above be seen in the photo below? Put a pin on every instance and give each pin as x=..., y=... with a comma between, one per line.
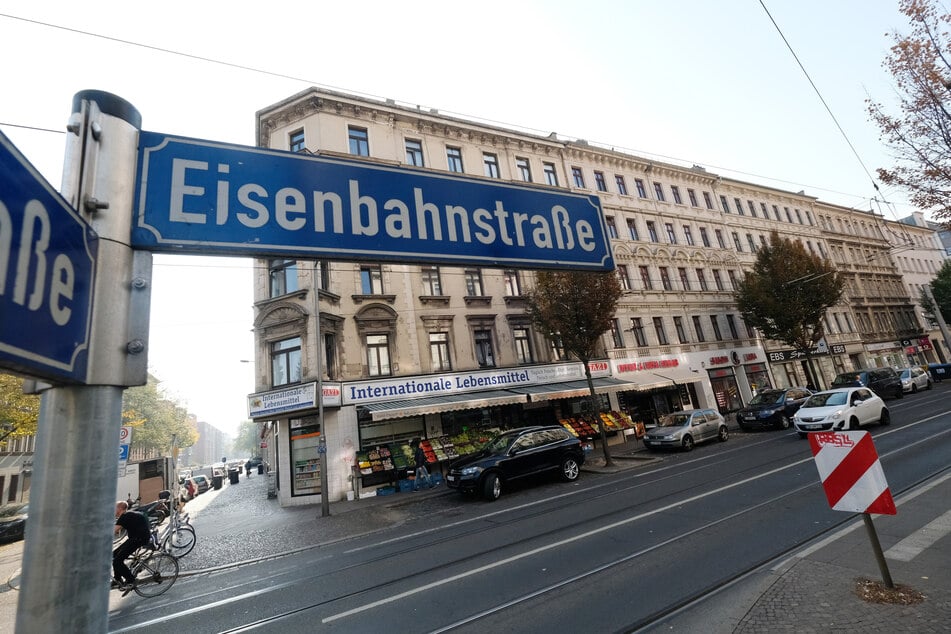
x=841, y=409
x=914, y=379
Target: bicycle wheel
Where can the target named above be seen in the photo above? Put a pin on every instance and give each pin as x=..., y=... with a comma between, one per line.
x=179, y=542
x=156, y=574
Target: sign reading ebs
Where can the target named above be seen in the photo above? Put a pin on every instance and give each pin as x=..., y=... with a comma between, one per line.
x=196, y=196
x=47, y=273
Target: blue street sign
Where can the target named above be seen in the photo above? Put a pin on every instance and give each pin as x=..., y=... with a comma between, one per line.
x=196, y=196
x=123, y=452
x=47, y=273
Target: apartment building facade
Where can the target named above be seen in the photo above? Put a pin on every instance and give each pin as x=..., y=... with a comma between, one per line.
x=682, y=238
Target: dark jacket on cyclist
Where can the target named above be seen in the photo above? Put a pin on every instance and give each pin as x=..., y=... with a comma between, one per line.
x=138, y=533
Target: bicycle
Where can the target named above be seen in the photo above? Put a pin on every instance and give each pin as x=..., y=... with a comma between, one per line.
x=178, y=537
x=155, y=571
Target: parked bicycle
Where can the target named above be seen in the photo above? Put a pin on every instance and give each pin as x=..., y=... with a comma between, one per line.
x=154, y=570
x=178, y=535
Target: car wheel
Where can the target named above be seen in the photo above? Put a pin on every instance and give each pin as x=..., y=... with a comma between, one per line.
x=492, y=487
x=914, y=388
x=570, y=469
x=853, y=423
x=885, y=418
x=930, y=385
x=784, y=422
x=724, y=434
x=900, y=393
x=687, y=442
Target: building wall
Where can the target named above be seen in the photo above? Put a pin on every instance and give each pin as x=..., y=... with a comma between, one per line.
x=706, y=229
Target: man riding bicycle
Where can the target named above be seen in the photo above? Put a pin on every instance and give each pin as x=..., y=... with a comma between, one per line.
x=138, y=533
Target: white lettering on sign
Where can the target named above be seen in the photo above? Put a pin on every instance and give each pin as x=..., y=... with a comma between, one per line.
x=32, y=270
x=288, y=208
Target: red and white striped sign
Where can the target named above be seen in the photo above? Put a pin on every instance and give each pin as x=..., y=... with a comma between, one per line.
x=850, y=472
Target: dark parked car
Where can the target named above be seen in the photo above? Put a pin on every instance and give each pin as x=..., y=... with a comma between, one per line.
x=12, y=522
x=516, y=454
x=772, y=408
x=883, y=381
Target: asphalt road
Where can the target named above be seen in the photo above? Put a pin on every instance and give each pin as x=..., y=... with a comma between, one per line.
x=608, y=553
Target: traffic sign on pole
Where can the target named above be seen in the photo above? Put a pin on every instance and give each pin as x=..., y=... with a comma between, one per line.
x=47, y=274
x=851, y=473
x=196, y=196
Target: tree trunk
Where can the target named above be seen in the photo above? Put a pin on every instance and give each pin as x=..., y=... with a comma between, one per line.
x=596, y=412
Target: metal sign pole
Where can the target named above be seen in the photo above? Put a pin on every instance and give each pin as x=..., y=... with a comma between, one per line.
x=67, y=549
x=322, y=444
x=877, y=549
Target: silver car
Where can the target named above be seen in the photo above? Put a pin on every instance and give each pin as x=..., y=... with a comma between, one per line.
x=914, y=379
x=684, y=429
x=840, y=409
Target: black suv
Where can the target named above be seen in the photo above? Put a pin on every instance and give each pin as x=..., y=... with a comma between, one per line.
x=772, y=408
x=883, y=381
x=515, y=454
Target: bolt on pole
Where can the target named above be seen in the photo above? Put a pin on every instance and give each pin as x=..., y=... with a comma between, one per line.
x=68, y=543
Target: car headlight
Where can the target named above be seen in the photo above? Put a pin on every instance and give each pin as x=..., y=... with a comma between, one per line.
x=471, y=471
x=766, y=413
x=837, y=414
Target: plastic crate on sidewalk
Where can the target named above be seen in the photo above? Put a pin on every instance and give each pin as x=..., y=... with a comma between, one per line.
x=406, y=485
x=386, y=491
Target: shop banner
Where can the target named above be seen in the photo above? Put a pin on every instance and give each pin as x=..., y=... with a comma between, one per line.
x=363, y=392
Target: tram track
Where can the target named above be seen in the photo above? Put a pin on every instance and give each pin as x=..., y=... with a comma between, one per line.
x=603, y=521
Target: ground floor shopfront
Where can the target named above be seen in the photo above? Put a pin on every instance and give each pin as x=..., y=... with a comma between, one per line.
x=369, y=424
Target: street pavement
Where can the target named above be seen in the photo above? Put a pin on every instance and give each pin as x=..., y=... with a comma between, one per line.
x=814, y=589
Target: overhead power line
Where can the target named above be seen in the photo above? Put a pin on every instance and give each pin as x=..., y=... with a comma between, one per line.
x=303, y=80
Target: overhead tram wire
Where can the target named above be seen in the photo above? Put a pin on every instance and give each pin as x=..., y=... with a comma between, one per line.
x=821, y=98
x=514, y=127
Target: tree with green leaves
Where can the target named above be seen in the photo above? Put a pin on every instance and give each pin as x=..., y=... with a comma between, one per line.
x=248, y=441
x=941, y=289
x=787, y=293
x=576, y=308
x=156, y=419
x=19, y=412
x=919, y=134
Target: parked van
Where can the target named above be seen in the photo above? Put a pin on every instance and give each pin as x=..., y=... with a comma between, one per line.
x=883, y=381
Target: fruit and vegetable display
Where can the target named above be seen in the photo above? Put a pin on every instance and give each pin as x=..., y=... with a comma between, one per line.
x=441, y=448
x=588, y=427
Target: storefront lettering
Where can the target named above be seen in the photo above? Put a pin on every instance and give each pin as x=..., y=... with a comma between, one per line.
x=719, y=360
x=441, y=385
x=648, y=365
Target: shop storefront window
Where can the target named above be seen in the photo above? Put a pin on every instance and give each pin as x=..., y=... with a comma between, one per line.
x=725, y=390
x=398, y=430
x=305, y=459
x=758, y=377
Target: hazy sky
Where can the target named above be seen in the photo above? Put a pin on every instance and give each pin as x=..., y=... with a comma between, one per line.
x=690, y=81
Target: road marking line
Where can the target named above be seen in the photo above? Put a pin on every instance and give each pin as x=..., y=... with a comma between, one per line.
x=912, y=546
x=551, y=546
x=842, y=532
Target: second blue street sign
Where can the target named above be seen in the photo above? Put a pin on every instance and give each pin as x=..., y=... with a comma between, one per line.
x=196, y=196
x=47, y=274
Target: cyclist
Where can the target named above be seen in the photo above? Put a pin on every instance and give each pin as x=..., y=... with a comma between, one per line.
x=138, y=533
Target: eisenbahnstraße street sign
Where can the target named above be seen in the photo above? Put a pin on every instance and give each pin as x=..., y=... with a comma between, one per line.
x=204, y=197
x=47, y=273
